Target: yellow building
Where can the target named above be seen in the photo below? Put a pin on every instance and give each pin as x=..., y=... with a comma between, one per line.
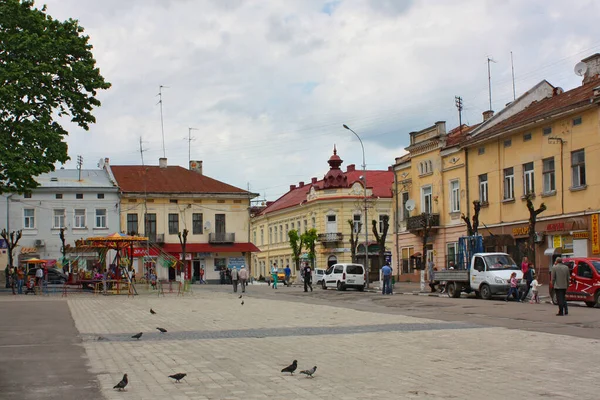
x=326, y=205
x=161, y=201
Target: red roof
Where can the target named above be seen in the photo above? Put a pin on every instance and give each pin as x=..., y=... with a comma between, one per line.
x=559, y=103
x=175, y=179
x=210, y=248
x=379, y=181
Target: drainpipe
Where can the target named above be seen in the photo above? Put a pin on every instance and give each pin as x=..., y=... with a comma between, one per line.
x=467, y=181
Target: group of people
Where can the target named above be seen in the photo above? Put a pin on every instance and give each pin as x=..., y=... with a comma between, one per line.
x=240, y=277
x=533, y=286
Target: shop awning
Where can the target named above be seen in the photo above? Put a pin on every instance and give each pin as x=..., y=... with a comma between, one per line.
x=211, y=248
x=554, y=251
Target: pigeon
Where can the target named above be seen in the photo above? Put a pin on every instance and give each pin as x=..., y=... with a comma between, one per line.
x=309, y=372
x=137, y=335
x=177, y=377
x=291, y=368
x=242, y=302
x=152, y=311
x=101, y=338
x=162, y=330
x=121, y=385
x=240, y=296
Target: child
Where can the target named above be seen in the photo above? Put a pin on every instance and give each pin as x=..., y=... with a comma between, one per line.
x=513, y=287
x=535, y=297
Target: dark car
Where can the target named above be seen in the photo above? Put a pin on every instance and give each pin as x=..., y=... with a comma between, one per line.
x=55, y=275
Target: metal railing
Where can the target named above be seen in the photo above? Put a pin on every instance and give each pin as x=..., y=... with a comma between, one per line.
x=330, y=237
x=221, y=237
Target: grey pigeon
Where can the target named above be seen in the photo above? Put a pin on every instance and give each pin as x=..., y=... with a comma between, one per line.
x=240, y=296
x=121, y=385
x=152, y=311
x=162, y=330
x=309, y=372
x=177, y=377
x=137, y=335
x=242, y=302
x=291, y=368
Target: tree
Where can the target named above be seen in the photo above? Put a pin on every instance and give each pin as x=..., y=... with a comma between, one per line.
x=473, y=228
x=380, y=239
x=354, y=239
x=426, y=223
x=47, y=70
x=183, y=241
x=533, y=213
x=63, y=247
x=296, y=245
x=309, y=238
x=12, y=239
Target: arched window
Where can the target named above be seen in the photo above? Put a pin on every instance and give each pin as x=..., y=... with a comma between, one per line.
x=421, y=172
x=331, y=260
x=430, y=169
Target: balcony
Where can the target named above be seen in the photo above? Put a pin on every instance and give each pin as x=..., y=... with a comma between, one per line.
x=417, y=223
x=331, y=237
x=221, y=237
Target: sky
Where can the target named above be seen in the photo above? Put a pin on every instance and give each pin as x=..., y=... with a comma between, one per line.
x=268, y=84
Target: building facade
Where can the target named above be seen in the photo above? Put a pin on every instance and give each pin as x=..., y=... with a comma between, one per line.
x=161, y=201
x=335, y=207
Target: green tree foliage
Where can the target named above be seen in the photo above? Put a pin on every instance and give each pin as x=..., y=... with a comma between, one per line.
x=47, y=70
x=296, y=245
x=309, y=239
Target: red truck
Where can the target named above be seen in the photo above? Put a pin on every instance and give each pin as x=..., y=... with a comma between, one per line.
x=585, y=281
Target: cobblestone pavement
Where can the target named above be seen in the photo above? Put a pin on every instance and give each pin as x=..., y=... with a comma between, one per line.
x=230, y=351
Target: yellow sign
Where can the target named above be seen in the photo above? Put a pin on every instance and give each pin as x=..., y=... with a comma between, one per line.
x=595, y=235
x=581, y=235
x=521, y=231
x=557, y=241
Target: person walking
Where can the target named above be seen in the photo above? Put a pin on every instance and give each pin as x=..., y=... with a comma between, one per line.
x=243, y=275
x=513, y=288
x=288, y=273
x=524, y=265
x=274, y=272
x=528, y=278
x=234, y=278
x=202, y=275
x=20, y=280
x=39, y=276
x=307, y=274
x=535, y=295
x=386, y=272
x=561, y=278
x=430, y=270
x=13, y=279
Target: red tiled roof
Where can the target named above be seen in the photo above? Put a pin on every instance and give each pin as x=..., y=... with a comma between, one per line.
x=210, y=248
x=566, y=101
x=455, y=136
x=175, y=179
x=379, y=181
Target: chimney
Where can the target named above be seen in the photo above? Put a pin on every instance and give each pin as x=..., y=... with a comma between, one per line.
x=106, y=161
x=196, y=166
x=351, y=168
x=487, y=115
x=391, y=168
x=593, y=68
x=301, y=184
x=441, y=127
x=162, y=162
x=292, y=187
x=313, y=180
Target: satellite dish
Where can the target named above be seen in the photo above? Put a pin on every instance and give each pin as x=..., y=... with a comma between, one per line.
x=410, y=205
x=580, y=68
x=207, y=225
x=101, y=163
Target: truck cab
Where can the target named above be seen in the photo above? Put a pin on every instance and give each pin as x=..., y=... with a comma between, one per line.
x=490, y=274
x=585, y=281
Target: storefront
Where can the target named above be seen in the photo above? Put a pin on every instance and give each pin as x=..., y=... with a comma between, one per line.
x=143, y=259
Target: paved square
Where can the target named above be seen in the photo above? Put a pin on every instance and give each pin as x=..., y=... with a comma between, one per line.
x=230, y=351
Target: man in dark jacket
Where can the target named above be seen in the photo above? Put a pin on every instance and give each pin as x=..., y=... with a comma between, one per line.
x=561, y=278
x=307, y=273
x=528, y=278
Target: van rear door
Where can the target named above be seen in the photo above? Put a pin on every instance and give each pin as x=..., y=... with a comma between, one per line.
x=355, y=274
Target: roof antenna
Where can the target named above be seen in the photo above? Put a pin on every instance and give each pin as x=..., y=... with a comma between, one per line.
x=79, y=165
x=162, y=125
x=490, y=80
x=512, y=67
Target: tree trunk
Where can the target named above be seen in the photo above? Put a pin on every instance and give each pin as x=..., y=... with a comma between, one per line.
x=183, y=241
x=533, y=213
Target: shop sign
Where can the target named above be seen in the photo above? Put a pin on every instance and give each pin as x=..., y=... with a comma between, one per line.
x=557, y=242
x=581, y=235
x=28, y=250
x=188, y=256
x=521, y=231
x=203, y=255
x=3, y=244
x=595, y=235
x=236, y=262
x=555, y=227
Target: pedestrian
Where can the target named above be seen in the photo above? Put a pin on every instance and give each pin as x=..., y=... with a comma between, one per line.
x=524, y=265
x=274, y=272
x=202, y=275
x=13, y=279
x=535, y=296
x=20, y=280
x=528, y=278
x=307, y=274
x=513, y=288
x=452, y=265
x=288, y=273
x=39, y=276
x=243, y=275
x=430, y=269
x=234, y=278
x=561, y=279
x=386, y=271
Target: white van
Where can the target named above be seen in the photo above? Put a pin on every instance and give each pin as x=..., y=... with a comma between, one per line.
x=342, y=276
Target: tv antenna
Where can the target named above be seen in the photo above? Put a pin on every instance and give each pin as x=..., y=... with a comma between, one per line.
x=489, y=60
x=162, y=125
x=190, y=139
x=580, y=68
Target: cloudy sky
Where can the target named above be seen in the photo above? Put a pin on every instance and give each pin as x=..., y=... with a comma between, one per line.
x=269, y=83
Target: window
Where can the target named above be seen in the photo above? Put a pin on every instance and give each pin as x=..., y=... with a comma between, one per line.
x=426, y=199
x=547, y=130
x=381, y=222
x=507, y=143
x=481, y=150
x=404, y=212
x=292, y=226
x=79, y=196
x=254, y=237
x=578, y=168
x=314, y=223
x=220, y=264
x=173, y=201
x=28, y=218
x=197, y=224
x=100, y=195
x=451, y=253
x=101, y=218
x=79, y=218
x=479, y=264
x=173, y=224
x=509, y=183
x=150, y=226
x=584, y=270
x=528, y=182
x=220, y=223
x=286, y=229
x=577, y=121
x=132, y=224
x=58, y=195
x=305, y=225
x=262, y=236
x=270, y=235
x=454, y=196
x=548, y=175
x=483, y=188
x=408, y=263
x=527, y=137
x=59, y=218
x=280, y=233
x=356, y=223
x=27, y=195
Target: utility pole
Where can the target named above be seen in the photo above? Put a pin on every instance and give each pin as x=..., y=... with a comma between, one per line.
x=162, y=125
x=459, y=105
x=146, y=257
x=79, y=165
x=490, y=80
x=190, y=139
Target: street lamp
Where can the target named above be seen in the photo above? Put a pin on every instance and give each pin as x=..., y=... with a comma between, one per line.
x=366, y=224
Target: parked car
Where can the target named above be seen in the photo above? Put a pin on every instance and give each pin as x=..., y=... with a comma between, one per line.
x=318, y=275
x=55, y=275
x=585, y=281
x=343, y=276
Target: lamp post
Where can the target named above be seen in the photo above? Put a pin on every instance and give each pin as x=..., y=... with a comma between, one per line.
x=366, y=224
